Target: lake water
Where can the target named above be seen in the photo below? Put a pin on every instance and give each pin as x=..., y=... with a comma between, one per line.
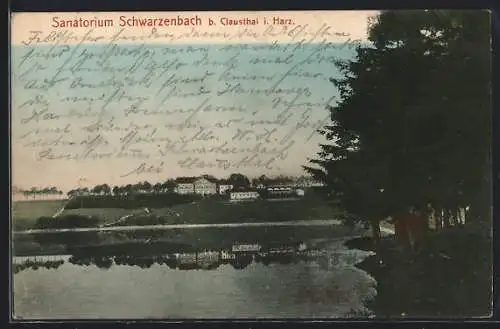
x=322, y=283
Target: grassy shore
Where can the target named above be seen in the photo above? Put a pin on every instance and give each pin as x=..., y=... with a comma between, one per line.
x=450, y=275
x=200, y=212
x=25, y=213
x=132, y=201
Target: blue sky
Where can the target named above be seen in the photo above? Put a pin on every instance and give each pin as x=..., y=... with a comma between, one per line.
x=172, y=71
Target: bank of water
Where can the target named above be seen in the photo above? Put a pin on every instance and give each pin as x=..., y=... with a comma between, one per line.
x=317, y=222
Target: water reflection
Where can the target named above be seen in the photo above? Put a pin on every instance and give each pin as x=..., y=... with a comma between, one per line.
x=196, y=239
x=34, y=264
x=239, y=256
x=181, y=249
x=210, y=275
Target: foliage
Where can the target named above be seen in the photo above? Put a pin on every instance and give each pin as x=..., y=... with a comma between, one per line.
x=238, y=180
x=67, y=221
x=35, y=191
x=450, y=276
x=102, y=189
x=411, y=127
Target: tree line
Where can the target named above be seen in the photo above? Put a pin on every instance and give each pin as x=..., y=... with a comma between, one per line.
x=235, y=179
x=35, y=192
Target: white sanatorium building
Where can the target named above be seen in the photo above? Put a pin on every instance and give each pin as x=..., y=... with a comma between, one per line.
x=307, y=181
x=196, y=185
x=202, y=186
x=243, y=195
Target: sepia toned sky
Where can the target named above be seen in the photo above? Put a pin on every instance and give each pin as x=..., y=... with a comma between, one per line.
x=304, y=71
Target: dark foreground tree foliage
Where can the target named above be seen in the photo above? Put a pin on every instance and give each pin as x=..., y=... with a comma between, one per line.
x=412, y=127
x=409, y=139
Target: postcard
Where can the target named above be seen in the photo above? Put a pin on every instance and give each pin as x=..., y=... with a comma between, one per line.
x=251, y=165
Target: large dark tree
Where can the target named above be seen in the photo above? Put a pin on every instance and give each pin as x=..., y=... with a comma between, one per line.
x=102, y=189
x=157, y=188
x=411, y=128
x=146, y=186
x=169, y=185
x=116, y=190
x=238, y=180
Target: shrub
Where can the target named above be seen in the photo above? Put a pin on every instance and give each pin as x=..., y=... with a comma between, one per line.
x=67, y=221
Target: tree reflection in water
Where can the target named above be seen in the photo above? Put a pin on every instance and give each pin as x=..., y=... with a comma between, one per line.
x=36, y=264
x=102, y=262
x=171, y=262
x=144, y=257
x=241, y=261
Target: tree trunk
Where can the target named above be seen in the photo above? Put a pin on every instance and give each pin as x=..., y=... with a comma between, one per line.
x=375, y=226
x=441, y=219
x=454, y=219
x=461, y=216
x=446, y=219
x=426, y=217
x=466, y=215
x=410, y=233
x=437, y=220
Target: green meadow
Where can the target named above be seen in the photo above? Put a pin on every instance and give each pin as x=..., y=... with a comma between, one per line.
x=206, y=211
x=25, y=213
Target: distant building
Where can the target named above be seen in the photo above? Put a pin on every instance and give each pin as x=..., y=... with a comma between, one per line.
x=279, y=181
x=224, y=186
x=185, y=185
x=279, y=191
x=307, y=181
x=245, y=247
x=243, y=194
x=196, y=185
x=205, y=186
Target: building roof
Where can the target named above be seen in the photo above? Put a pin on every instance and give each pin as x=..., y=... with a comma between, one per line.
x=185, y=180
x=280, y=188
x=244, y=189
x=192, y=180
x=210, y=179
x=307, y=179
